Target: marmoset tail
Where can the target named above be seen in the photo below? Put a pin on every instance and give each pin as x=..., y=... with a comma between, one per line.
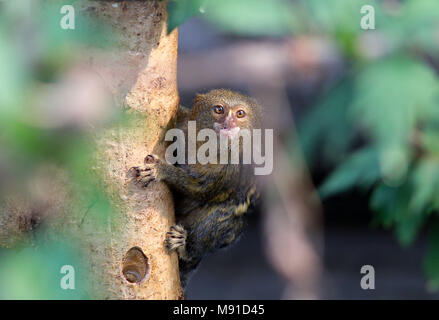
x=211, y=200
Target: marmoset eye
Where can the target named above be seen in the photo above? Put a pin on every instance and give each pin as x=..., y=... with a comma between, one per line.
x=240, y=113
x=218, y=109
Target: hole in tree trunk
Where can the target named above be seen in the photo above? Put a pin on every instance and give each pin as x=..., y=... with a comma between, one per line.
x=135, y=266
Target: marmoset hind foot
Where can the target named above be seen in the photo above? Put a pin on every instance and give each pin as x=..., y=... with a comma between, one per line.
x=176, y=240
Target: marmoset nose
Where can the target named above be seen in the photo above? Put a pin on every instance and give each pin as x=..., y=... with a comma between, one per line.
x=230, y=121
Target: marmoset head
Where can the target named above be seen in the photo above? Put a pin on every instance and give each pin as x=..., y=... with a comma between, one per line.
x=226, y=112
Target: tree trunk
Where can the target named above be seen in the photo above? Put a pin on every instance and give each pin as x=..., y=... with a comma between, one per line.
x=127, y=259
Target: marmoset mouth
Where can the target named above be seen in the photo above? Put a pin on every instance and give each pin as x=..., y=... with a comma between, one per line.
x=226, y=131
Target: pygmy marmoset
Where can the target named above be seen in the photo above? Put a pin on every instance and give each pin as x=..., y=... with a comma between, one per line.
x=210, y=199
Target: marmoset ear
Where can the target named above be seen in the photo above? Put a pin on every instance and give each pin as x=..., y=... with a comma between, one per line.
x=198, y=98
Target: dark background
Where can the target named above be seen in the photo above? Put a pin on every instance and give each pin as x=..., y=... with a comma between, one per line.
x=350, y=240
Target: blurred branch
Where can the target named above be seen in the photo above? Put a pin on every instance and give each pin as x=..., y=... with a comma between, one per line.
x=292, y=218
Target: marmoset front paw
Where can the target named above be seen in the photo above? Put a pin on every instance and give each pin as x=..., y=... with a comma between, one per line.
x=150, y=172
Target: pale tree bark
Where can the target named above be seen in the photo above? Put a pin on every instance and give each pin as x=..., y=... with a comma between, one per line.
x=126, y=259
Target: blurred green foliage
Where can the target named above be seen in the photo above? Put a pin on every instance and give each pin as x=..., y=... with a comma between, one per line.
x=378, y=123
x=180, y=11
x=35, y=50
x=36, y=272
x=248, y=17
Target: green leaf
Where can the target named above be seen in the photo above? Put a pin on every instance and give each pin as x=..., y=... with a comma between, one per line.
x=391, y=97
x=407, y=228
x=252, y=17
x=382, y=201
x=391, y=206
x=425, y=179
x=429, y=139
x=326, y=128
x=415, y=25
x=360, y=169
x=340, y=19
x=431, y=262
x=335, y=15
x=181, y=10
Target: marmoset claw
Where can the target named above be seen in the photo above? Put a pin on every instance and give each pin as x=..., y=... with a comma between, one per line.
x=141, y=177
x=133, y=172
x=150, y=159
x=176, y=238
